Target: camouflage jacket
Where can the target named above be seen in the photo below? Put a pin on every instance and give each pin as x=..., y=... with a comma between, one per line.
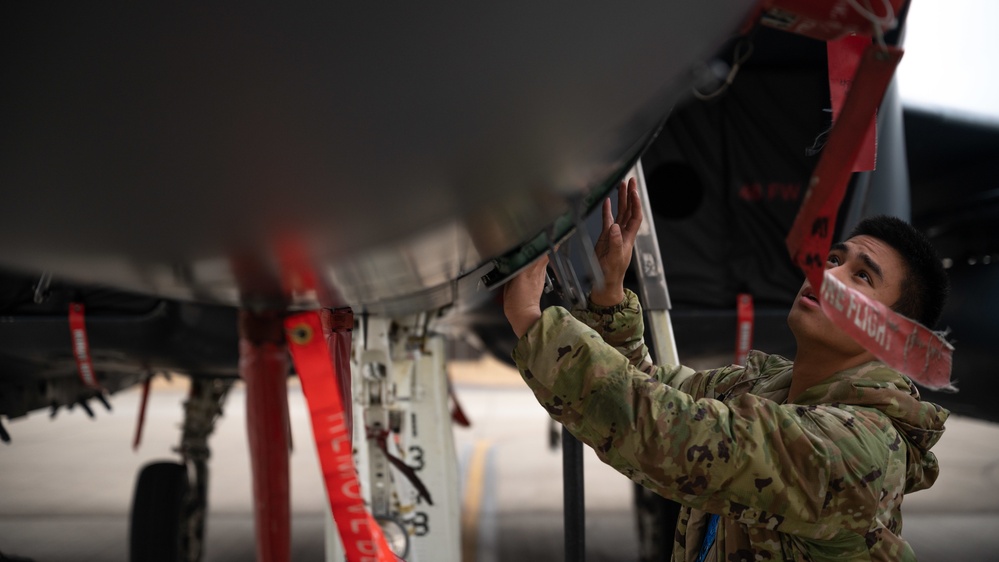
x=821, y=479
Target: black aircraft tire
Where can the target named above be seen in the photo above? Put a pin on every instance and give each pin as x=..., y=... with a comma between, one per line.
x=156, y=533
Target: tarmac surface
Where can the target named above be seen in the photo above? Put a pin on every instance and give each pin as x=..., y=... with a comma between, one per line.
x=66, y=484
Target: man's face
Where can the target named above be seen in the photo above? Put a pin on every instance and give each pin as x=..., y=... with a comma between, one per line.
x=863, y=263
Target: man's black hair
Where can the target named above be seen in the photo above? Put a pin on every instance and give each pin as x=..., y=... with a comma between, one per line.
x=925, y=285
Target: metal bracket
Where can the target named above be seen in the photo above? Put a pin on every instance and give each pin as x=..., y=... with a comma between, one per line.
x=648, y=263
x=42, y=288
x=569, y=287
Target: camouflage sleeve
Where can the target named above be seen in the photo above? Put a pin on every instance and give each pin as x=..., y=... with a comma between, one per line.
x=622, y=327
x=749, y=459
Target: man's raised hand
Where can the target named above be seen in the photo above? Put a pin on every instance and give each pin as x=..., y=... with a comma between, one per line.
x=522, y=296
x=614, y=247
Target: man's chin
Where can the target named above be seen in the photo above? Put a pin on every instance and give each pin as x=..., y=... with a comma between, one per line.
x=804, y=324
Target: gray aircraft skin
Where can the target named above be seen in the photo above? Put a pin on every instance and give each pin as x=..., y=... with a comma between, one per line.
x=402, y=149
x=158, y=163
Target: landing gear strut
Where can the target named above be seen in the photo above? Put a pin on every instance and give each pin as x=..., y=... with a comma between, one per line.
x=171, y=498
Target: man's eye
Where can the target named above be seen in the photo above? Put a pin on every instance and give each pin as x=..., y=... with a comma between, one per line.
x=833, y=260
x=863, y=275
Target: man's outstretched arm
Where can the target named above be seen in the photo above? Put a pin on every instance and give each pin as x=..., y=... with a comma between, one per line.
x=749, y=459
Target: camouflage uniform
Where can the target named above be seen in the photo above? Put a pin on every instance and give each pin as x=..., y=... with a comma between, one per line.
x=821, y=479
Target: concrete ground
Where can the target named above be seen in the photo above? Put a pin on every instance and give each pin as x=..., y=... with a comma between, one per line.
x=66, y=485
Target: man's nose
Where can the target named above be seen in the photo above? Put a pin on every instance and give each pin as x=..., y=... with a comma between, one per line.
x=839, y=272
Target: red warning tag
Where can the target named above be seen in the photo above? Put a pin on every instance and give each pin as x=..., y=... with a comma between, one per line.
x=844, y=56
x=904, y=345
x=362, y=538
x=744, y=329
x=828, y=19
x=811, y=234
x=81, y=347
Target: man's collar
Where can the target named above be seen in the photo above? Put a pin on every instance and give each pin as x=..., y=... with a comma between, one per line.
x=832, y=389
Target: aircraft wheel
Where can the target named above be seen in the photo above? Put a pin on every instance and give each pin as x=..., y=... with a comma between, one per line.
x=157, y=526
